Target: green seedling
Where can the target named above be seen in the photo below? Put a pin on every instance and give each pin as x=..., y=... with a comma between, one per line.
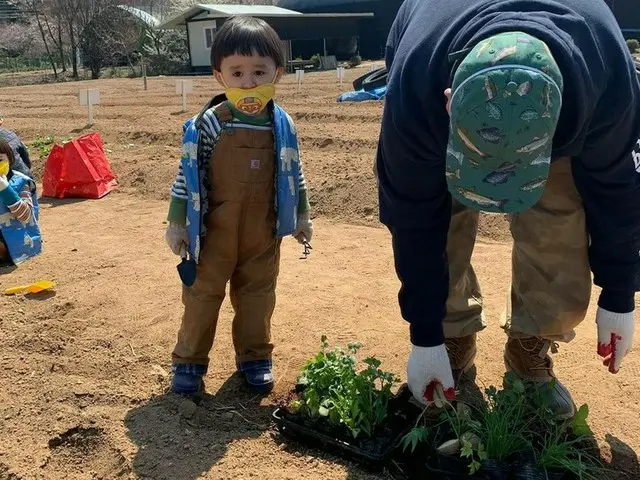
x=513, y=420
x=335, y=390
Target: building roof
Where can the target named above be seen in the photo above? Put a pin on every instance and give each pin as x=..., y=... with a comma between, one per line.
x=211, y=11
x=311, y=4
x=230, y=10
x=141, y=15
x=10, y=11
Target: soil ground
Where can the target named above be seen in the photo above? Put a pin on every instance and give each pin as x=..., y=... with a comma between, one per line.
x=84, y=369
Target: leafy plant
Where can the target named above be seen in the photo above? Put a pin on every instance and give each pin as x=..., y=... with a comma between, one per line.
x=333, y=389
x=562, y=453
x=476, y=455
x=634, y=45
x=579, y=425
x=503, y=424
x=414, y=437
x=516, y=419
x=43, y=145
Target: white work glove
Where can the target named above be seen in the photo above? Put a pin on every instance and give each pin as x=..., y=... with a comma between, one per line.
x=615, y=336
x=177, y=238
x=427, y=368
x=4, y=183
x=304, y=228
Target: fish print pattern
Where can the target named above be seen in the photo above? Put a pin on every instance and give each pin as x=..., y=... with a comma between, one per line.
x=452, y=174
x=470, y=144
x=529, y=115
x=524, y=88
x=547, y=101
x=504, y=53
x=485, y=46
x=493, y=110
x=541, y=159
x=535, y=145
x=499, y=177
x=480, y=199
x=459, y=156
x=490, y=88
x=491, y=135
x=534, y=184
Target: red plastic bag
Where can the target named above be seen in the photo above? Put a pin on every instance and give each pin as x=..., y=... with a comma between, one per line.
x=78, y=169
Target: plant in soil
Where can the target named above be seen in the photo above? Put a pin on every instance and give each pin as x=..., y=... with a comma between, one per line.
x=514, y=431
x=332, y=391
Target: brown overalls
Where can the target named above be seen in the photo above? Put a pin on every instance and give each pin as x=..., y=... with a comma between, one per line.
x=240, y=246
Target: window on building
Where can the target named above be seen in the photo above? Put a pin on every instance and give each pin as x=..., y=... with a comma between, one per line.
x=209, y=33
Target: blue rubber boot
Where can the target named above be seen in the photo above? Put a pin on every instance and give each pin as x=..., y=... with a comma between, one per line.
x=258, y=375
x=187, y=379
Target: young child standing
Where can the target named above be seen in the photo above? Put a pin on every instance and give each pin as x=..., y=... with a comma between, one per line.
x=239, y=190
x=20, y=237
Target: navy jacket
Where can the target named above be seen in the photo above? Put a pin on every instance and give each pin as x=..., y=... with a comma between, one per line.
x=22, y=162
x=599, y=127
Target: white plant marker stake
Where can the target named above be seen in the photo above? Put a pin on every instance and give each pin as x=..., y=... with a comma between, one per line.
x=340, y=72
x=182, y=88
x=299, y=78
x=90, y=97
x=144, y=73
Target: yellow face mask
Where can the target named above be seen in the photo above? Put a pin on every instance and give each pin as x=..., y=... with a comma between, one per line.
x=4, y=167
x=251, y=101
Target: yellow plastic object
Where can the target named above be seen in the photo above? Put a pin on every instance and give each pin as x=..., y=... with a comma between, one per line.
x=33, y=288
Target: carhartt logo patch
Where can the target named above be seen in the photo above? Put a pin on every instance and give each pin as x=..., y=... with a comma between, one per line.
x=255, y=164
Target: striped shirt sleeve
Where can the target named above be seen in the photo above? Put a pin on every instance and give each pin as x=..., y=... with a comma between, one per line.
x=22, y=210
x=303, y=200
x=179, y=187
x=210, y=129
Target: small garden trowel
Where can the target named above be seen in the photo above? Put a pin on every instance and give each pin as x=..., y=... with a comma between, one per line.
x=33, y=288
x=187, y=268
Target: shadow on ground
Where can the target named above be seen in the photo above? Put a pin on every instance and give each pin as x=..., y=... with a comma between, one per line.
x=179, y=440
x=623, y=462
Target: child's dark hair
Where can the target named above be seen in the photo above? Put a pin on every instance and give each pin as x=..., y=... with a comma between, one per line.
x=6, y=149
x=246, y=36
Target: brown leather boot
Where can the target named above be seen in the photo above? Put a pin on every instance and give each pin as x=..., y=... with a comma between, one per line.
x=462, y=354
x=528, y=358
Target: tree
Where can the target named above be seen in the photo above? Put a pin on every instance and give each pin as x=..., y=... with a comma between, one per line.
x=15, y=39
x=111, y=37
x=37, y=10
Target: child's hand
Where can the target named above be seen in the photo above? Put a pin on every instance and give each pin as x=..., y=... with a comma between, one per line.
x=304, y=230
x=176, y=237
x=4, y=183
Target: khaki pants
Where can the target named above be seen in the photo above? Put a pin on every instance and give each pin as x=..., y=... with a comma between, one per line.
x=551, y=278
x=240, y=247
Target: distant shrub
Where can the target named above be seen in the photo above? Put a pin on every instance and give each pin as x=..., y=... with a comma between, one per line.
x=355, y=61
x=634, y=45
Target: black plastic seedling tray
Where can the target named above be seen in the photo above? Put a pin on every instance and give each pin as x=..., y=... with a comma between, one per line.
x=426, y=461
x=402, y=417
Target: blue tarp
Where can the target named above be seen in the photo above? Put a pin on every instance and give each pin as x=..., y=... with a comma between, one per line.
x=362, y=95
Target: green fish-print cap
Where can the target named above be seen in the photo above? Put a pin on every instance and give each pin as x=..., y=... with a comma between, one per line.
x=505, y=104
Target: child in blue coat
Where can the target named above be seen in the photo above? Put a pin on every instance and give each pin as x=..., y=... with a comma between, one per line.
x=20, y=237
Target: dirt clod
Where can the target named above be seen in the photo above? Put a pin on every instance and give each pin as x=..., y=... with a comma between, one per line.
x=188, y=408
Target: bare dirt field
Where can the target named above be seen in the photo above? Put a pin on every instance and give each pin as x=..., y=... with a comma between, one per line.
x=84, y=369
